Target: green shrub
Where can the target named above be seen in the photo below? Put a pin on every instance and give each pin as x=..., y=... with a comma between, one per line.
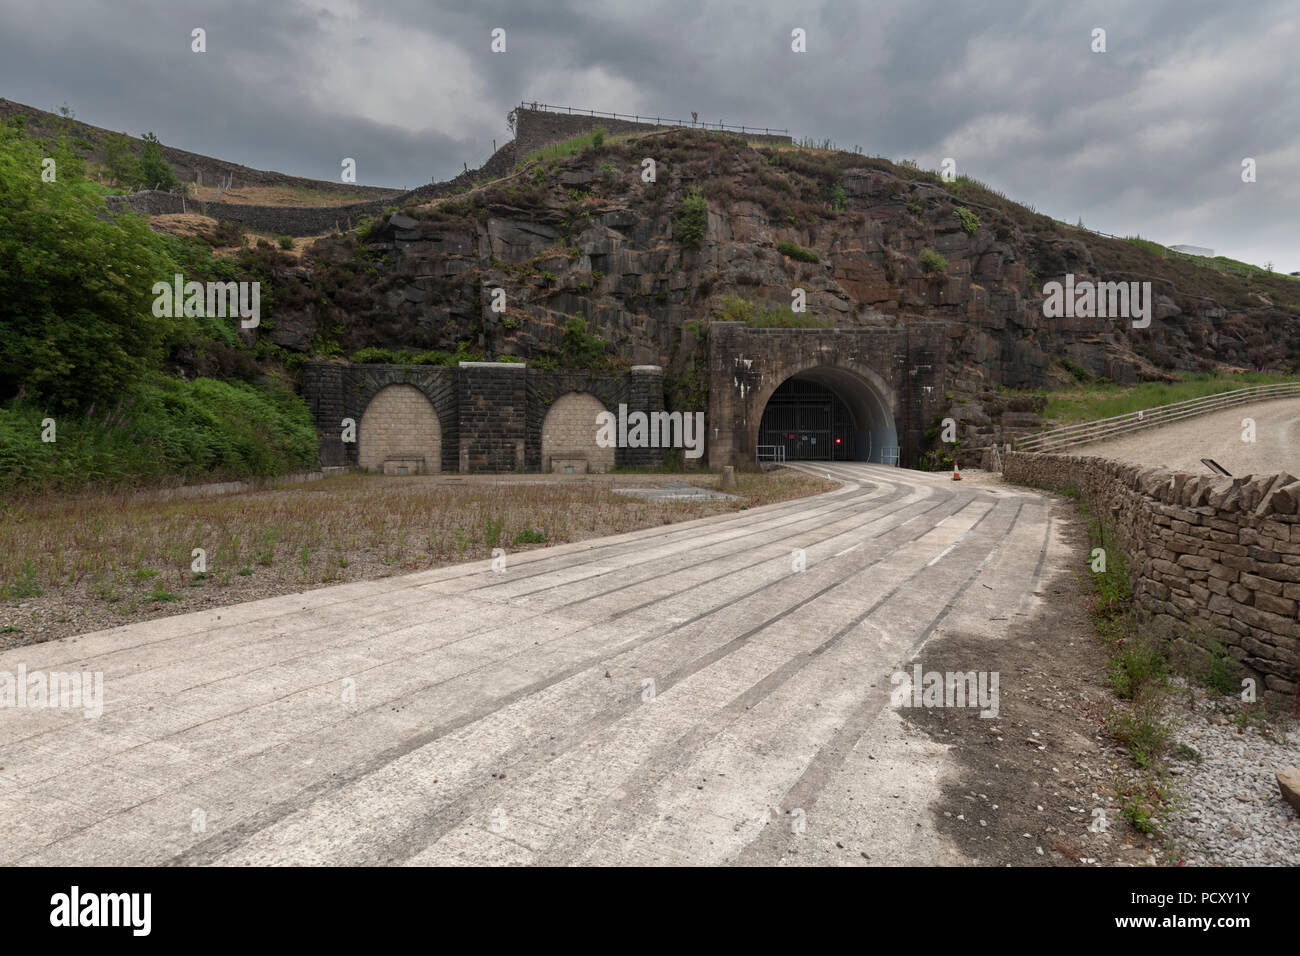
x=286, y=242
x=692, y=222
x=375, y=355
x=1077, y=372
x=580, y=348
x=197, y=428
x=76, y=319
x=969, y=221
x=120, y=160
x=733, y=308
x=932, y=262
x=797, y=252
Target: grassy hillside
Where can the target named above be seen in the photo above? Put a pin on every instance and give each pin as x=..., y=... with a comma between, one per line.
x=1087, y=402
x=92, y=387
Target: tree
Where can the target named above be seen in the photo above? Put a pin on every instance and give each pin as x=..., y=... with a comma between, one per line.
x=154, y=168
x=76, y=317
x=120, y=161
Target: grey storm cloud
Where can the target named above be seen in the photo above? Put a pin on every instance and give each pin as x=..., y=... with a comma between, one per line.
x=1146, y=138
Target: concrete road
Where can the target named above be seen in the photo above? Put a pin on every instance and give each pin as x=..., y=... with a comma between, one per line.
x=677, y=695
x=1182, y=445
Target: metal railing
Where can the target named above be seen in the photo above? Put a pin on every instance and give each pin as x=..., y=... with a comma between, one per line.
x=657, y=120
x=1085, y=433
x=776, y=453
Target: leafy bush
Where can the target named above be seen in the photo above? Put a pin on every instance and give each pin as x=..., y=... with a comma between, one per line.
x=797, y=252
x=120, y=161
x=200, y=428
x=692, y=222
x=286, y=242
x=969, y=221
x=1077, y=372
x=580, y=348
x=932, y=262
x=76, y=320
x=375, y=355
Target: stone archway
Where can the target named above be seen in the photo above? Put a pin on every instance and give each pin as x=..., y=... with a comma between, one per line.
x=569, y=435
x=827, y=414
x=399, y=433
x=889, y=380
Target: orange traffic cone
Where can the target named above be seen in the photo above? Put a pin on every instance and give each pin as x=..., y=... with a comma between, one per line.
x=956, y=475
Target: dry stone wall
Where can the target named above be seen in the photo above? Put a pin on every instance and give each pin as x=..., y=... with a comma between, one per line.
x=537, y=128
x=1217, y=557
x=310, y=220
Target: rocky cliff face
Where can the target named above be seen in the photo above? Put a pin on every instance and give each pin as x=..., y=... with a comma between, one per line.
x=869, y=242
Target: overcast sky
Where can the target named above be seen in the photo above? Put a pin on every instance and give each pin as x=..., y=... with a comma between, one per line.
x=1147, y=137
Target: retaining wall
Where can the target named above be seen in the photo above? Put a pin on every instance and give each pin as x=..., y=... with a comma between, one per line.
x=309, y=220
x=491, y=415
x=537, y=128
x=1219, y=556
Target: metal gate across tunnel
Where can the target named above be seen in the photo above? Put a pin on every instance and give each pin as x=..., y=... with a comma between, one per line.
x=811, y=423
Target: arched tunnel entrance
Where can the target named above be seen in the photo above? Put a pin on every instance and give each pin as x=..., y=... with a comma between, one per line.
x=828, y=414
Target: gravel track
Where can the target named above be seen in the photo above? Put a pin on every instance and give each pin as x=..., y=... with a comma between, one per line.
x=1182, y=445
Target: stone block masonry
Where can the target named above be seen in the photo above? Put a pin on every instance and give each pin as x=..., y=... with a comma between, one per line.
x=1217, y=557
x=477, y=417
x=493, y=401
x=892, y=379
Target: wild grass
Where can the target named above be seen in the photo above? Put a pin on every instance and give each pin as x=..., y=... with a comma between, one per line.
x=572, y=147
x=1087, y=401
x=202, y=429
x=118, y=554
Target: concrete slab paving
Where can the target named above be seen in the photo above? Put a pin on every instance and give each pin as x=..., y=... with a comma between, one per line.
x=710, y=692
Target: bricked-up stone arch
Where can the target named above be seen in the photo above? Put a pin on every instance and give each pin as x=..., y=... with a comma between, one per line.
x=569, y=431
x=891, y=378
x=490, y=414
x=399, y=429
